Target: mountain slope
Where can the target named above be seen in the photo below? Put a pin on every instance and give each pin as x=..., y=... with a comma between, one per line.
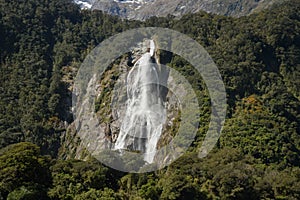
x=143, y=9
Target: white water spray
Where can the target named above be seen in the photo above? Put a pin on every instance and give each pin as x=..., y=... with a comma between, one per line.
x=145, y=114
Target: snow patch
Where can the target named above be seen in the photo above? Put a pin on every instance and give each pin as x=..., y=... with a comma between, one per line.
x=84, y=4
x=132, y=1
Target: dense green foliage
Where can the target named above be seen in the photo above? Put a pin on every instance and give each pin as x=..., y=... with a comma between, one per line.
x=257, y=156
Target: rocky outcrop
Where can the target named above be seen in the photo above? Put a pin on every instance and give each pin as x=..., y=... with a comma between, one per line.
x=141, y=10
x=110, y=107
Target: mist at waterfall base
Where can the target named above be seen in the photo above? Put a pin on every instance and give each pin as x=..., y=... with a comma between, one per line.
x=145, y=114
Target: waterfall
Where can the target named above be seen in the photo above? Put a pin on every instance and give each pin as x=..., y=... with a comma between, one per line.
x=145, y=115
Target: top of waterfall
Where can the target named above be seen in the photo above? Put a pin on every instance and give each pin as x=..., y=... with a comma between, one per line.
x=152, y=47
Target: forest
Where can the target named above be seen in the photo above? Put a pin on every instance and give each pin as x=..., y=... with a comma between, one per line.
x=256, y=157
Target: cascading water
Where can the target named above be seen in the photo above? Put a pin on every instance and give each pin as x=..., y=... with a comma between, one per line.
x=145, y=115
